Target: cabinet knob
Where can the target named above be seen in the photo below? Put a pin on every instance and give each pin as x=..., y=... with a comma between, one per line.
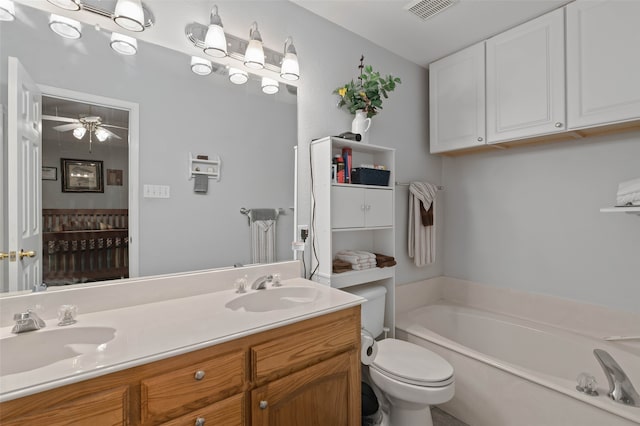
x=368, y=206
x=199, y=375
x=480, y=139
x=558, y=124
x=200, y=421
x=263, y=404
x=362, y=207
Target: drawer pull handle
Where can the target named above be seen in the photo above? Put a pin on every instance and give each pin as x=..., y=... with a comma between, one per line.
x=263, y=405
x=199, y=375
x=480, y=139
x=200, y=421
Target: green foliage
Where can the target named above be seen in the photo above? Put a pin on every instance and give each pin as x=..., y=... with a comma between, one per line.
x=367, y=92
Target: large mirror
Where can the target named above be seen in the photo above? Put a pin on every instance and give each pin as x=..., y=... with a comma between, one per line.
x=181, y=115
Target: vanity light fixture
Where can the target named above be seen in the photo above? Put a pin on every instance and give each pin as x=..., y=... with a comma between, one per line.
x=7, y=10
x=270, y=86
x=238, y=76
x=254, y=55
x=290, y=69
x=123, y=44
x=65, y=27
x=201, y=66
x=129, y=15
x=66, y=4
x=215, y=42
x=79, y=132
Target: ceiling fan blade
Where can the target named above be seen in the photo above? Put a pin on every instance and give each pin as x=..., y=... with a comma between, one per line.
x=114, y=127
x=111, y=134
x=67, y=127
x=56, y=118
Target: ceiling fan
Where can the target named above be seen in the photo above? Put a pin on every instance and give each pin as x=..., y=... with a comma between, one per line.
x=86, y=124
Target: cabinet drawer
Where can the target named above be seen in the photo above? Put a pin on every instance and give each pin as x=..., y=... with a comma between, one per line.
x=228, y=412
x=183, y=390
x=104, y=408
x=291, y=352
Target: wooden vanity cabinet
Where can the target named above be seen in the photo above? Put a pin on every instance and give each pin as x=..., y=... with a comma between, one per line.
x=306, y=370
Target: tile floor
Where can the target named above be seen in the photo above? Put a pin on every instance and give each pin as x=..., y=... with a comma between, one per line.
x=441, y=418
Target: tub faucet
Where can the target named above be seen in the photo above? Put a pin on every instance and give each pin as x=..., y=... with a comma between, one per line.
x=261, y=282
x=27, y=321
x=620, y=388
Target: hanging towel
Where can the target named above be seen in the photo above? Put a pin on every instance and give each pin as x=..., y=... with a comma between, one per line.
x=422, y=239
x=263, y=241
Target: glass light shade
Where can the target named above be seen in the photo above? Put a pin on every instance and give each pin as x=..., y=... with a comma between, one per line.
x=123, y=44
x=66, y=4
x=215, y=42
x=201, y=66
x=290, y=69
x=65, y=27
x=238, y=76
x=129, y=15
x=79, y=132
x=270, y=86
x=254, y=55
x=101, y=134
x=7, y=10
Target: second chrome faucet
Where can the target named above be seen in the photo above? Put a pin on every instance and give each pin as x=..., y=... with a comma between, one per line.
x=620, y=388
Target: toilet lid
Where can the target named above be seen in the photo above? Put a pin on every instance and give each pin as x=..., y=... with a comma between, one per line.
x=410, y=363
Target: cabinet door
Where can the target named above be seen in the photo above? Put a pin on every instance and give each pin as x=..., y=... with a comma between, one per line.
x=347, y=207
x=603, y=81
x=327, y=393
x=457, y=100
x=378, y=207
x=525, y=80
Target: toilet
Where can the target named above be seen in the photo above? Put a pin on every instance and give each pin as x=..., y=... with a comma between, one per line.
x=410, y=377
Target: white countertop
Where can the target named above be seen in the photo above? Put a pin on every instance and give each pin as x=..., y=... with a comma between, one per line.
x=148, y=332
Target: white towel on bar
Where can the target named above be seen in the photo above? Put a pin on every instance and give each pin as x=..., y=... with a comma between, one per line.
x=263, y=241
x=422, y=239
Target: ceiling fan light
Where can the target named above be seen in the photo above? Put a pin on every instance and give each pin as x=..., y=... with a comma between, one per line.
x=79, y=132
x=129, y=15
x=215, y=42
x=7, y=10
x=123, y=44
x=290, y=69
x=254, y=55
x=66, y=4
x=65, y=27
x=101, y=134
x=270, y=86
x=201, y=66
x=237, y=76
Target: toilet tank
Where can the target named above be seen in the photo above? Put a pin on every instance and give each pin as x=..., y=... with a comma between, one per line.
x=372, y=311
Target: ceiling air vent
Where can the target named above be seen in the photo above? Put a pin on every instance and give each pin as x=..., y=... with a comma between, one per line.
x=425, y=9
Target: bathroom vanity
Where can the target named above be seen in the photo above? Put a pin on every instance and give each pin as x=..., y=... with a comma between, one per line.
x=287, y=364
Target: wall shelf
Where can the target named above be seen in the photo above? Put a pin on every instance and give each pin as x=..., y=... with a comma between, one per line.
x=210, y=168
x=630, y=210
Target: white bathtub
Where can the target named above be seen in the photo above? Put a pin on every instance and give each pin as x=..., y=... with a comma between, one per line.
x=515, y=372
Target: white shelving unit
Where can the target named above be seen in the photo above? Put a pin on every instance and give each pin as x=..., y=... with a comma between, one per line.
x=353, y=217
x=210, y=168
x=629, y=210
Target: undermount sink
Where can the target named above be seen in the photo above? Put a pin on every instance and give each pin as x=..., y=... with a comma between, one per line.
x=273, y=299
x=35, y=349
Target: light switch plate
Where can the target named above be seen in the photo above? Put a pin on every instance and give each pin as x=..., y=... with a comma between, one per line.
x=157, y=191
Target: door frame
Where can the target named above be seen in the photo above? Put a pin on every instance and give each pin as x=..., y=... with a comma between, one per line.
x=134, y=159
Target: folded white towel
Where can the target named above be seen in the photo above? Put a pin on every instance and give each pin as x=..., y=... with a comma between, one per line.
x=632, y=198
x=363, y=266
x=629, y=187
x=352, y=259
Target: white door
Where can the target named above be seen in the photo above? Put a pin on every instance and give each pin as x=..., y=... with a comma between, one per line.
x=525, y=80
x=456, y=100
x=24, y=174
x=603, y=59
x=378, y=207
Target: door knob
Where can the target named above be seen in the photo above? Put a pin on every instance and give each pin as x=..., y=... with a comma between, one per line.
x=22, y=254
x=4, y=256
x=263, y=404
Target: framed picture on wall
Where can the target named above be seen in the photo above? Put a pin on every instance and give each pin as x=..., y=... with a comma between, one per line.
x=81, y=175
x=114, y=177
x=49, y=173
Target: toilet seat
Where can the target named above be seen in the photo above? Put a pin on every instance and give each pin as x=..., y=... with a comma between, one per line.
x=412, y=364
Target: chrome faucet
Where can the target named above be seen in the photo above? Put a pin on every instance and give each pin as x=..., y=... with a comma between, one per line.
x=27, y=321
x=261, y=282
x=620, y=388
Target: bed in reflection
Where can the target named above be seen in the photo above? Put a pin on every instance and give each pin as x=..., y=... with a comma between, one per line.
x=84, y=245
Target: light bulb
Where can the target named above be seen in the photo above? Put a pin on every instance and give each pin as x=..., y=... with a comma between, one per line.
x=65, y=27
x=79, y=132
x=123, y=44
x=238, y=76
x=201, y=66
x=101, y=134
x=269, y=86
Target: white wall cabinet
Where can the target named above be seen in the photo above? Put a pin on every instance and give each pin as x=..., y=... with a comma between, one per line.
x=525, y=80
x=457, y=100
x=352, y=217
x=603, y=62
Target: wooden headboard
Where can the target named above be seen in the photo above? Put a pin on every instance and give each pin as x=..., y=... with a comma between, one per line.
x=56, y=220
